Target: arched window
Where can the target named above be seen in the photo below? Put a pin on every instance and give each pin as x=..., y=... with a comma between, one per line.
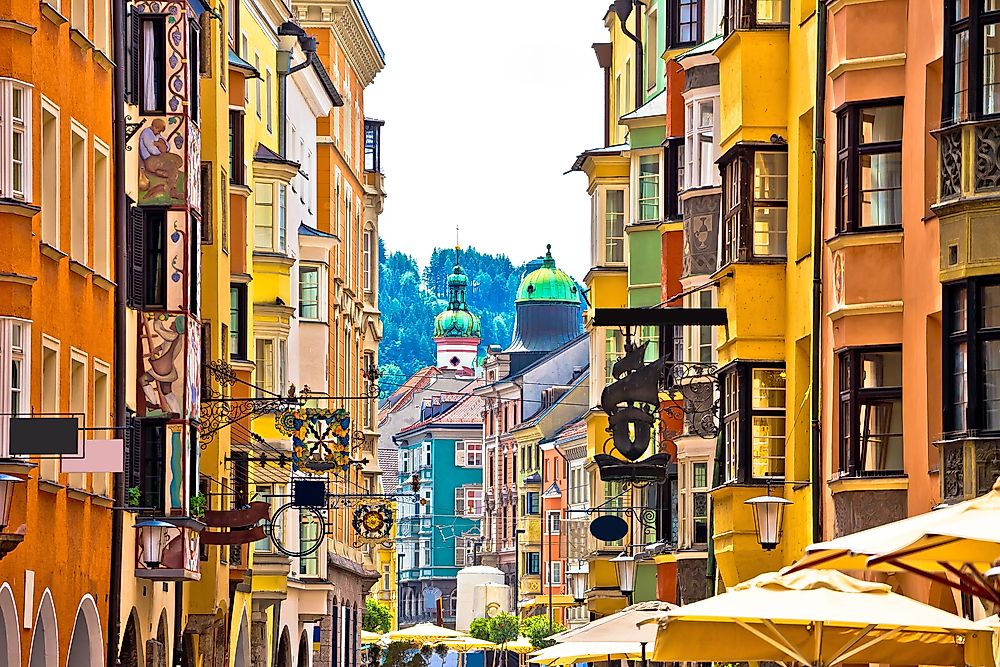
x=335, y=639
x=45, y=639
x=86, y=647
x=10, y=643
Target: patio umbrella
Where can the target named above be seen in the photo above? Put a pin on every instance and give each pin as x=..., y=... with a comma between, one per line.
x=819, y=618
x=369, y=637
x=631, y=624
x=466, y=644
x=569, y=653
x=962, y=540
x=423, y=633
x=521, y=645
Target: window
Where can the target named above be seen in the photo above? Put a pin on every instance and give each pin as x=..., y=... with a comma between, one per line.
x=652, y=52
x=153, y=67
x=271, y=362
x=366, y=266
x=553, y=575
x=753, y=422
x=972, y=356
x=754, y=205
x=685, y=28
x=101, y=193
x=15, y=140
x=474, y=453
x=256, y=64
x=268, y=494
x=553, y=522
x=78, y=404
x=237, y=173
x=871, y=411
x=102, y=25
x=267, y=86
x=282, y=217
x=263, y=216
x=700, y=144
x=649, y=188
x=756, y=14
x=614, y=349
x=614, y=226
x=78, y=15
x=674, y=183
x=238, y=321
x=972, y=60
x=700, y=340
x=15, y=353
x=310, y=530
x=101, y=416
x=531, y=503
x=50, y=174
x=699, y=502
x=309, y=292
x=469, y=501
x=870, y=168
x=78, y=193
x=154, y=269
x=49, y=468
x=152, y=465
x=533, y=563
x=194, y=71
x=579, y=484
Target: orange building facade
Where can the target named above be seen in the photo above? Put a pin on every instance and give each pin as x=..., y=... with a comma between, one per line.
x=56, y=323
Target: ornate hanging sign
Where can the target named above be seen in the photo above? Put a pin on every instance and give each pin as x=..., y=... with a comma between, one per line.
x=373, y=521
x=321, y=439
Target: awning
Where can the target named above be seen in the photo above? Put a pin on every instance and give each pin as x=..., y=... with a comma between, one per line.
x=543, y=601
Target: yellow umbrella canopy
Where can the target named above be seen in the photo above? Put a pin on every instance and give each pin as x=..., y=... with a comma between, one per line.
x=569, y=653
x=425, y=633
x=520, y=645
x=817, y=618
x=964, y=533
x=632, y=624
x=369, y=637
x=466, y=644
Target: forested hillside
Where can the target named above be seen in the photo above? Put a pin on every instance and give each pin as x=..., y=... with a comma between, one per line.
x=410, y=298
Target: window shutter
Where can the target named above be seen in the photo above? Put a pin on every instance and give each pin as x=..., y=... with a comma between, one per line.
x=241, y=478
x=136, y=287
x=206, y=354
x=133, y=451
x=460, y=501
x=460, y=456
x=133, y=41
x=206, y=203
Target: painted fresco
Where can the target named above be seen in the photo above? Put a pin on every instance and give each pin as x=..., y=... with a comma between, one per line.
x=179, y=560
x=174, y=472
x=177, y=264
x=163, y=173
x=193, y=379
x=162, y=365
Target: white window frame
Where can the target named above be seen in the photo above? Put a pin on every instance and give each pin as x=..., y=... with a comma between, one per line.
x=637, y=190
x=553, y=567
x=11, y=126
x=692, y=335
x=79, y=12
x=102, y=26
x=694, y=165
x=78, y=480
x=51, y=210
x=49, y=467
x=320, y=270
x=77, y=132
x=366, y=267
x=101, y=224
x=652, y=52
x=553, y=522
x=279, y=367
x=15, y=348
x=279, y=216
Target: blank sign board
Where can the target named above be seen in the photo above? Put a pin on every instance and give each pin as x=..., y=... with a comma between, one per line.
x=44, y=436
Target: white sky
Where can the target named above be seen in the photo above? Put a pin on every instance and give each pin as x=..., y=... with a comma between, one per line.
x=486, y=105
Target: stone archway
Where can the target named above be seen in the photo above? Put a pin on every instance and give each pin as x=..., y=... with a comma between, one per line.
x=86, y=648
x=129, y=655
x=45, y=638
x=284, y=657
x=10, y=641
x=304, y=651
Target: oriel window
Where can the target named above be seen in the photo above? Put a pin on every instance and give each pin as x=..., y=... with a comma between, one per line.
x=870, y=167
x=972, y=60
x=153, y=68
x=971, y=362
x=155, y=269
x=754, y=204
x=649, y=188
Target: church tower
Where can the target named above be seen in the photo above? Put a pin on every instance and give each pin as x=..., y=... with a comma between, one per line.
x=456, y=330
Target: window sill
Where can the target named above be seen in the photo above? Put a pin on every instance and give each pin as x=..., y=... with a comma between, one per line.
x=80, y=268
x=241, y=364
x=18, y=26
x=19, y=208
x=889, y=481
x=80, y=39
x=313, y=321
x=102, y=501
x=52, y=252
x=77, y=494
x=103, y=59
x=239, y=189
x=885, y=236
x=104, y=283
x=52, y=14
x=49, y=486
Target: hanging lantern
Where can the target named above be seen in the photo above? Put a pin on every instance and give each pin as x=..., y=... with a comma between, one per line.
x=767, y=514
x=153, y=538
x=625, y=566
x=578, y=582
x=7, y=483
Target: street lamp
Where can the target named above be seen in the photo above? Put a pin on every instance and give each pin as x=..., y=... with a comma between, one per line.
x=578, y=583
x=153, y=538
x=7, y=483
x=767, y=513
x=625, y=566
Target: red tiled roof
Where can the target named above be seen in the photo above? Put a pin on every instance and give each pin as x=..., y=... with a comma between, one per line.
x=401, y=397
x=468, y=410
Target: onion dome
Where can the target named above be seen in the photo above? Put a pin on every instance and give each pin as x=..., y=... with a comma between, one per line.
x=457, y=321
x=548, y=284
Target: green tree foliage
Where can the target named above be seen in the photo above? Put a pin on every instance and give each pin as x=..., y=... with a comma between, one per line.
x=410, y=299
x=480, y=628
x=377, y=617
x=538, y=630
x=500, y=629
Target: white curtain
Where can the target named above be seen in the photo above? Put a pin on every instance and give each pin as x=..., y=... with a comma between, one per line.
x=149, y=101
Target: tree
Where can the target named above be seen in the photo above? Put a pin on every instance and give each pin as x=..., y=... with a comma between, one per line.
x=500, y=629
x=480, y=628
x=538, y=630
x=377, y=617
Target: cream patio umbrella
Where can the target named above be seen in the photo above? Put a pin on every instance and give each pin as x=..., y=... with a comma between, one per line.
x=819, y=618
x=369, y=637
x=569, y=653
x=466, y=644
x=522, y=645
x=632, y=624
x=423, y=633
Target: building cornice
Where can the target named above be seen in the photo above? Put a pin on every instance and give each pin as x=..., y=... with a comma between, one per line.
x=351, y=30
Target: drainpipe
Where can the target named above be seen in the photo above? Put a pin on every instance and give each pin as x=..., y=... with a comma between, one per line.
x=178, y=623
x=623, y=8
x=118, y=484
x=290, y=34
x=819, y=145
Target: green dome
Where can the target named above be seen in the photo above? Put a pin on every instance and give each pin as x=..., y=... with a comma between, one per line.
x=457, y=321
x=548, y=284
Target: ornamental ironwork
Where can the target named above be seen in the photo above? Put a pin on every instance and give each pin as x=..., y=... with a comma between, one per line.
x=219, y=411
x=987, y=157
x=950, y=146
x=372, y=522
x=321, y=438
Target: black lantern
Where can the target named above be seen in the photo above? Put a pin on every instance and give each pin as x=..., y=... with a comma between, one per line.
x=625, y=566
x=767, y=514
x=7, y=483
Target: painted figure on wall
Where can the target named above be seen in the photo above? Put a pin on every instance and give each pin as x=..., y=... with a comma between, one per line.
x=162, y=364
x=161, y=173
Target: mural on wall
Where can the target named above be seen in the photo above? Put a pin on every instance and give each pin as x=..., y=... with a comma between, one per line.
x=177, y=264
x=701, y=235
x=162, y=365
x=163, y=178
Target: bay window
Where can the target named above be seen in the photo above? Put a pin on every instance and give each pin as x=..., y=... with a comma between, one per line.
x=870, y=167
x=871, y=411
x=238, y=321
x=753, y=421
x=649, y=188
x=972, y=60
x=152, y=69
x=754, y=204
x=700, y=144
x=699, y=341
x=685, y=24
x=971, y=367
x=271, y=362
x=270, y=217
x=15, y=140
x=674, y=183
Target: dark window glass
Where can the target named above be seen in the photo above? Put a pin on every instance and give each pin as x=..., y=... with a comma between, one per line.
x=754, y=205
x=154, y=242
x=153, y=462
x=194, y=71
x=686, y=24
x=753, y=404
x=237, y=321
x=972, y=356
x=972, y=60
x=152, y=65
x=871, y=411
x=870, y=167
x=236, y=170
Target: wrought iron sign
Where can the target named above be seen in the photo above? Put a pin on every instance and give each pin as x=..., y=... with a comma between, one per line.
x=321, y=439
x=373, y=519
x=219, y=411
